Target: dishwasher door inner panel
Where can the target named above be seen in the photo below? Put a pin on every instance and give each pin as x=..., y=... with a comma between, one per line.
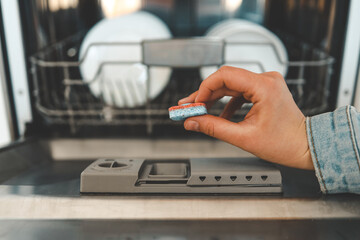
x=194, y=175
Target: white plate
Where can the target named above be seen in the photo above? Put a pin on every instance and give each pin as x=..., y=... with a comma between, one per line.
x=123, y=85
x=221, y=26
x=259, y=45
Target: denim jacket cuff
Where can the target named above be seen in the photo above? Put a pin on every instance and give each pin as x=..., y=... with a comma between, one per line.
x=333, y=141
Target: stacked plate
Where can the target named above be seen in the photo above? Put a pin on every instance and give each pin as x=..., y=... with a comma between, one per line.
x=249, y=46
x=111, y=56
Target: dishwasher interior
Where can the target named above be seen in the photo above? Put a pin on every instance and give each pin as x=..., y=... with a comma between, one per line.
x=86, y=152
x=80, y=87
x=74, y=97
x=39, y=167
x=111, y=75
x=63, y=98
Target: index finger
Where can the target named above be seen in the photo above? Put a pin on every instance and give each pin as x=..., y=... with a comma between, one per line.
x=232, y=78
x=188, y=99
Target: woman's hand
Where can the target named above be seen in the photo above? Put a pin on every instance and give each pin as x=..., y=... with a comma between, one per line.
x=274, y=128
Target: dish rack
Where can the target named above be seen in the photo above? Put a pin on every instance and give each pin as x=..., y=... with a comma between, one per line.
x=62, y=97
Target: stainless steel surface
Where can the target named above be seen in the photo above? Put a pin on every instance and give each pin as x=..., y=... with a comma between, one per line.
x=17, y=62
x=8, y=130
x=350, y=63
x=65, y=149
x=179, y=230
x=49, y=189
x=356, y=102
x=36, y=195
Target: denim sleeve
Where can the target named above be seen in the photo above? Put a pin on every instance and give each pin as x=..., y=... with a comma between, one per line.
x=334, y=144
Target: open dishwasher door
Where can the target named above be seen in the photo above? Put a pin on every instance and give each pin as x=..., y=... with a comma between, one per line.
x=49, y=98
x=40, y=193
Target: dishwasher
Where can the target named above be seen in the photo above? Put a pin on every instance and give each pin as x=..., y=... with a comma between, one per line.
x=96, y=156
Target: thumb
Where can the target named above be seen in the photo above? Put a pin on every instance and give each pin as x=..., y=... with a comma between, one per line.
x=218, y=127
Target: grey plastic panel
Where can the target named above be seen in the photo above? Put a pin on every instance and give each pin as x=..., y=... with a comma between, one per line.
x=232, y=171
x=206, y=175
x=162, y=171
x=191, y=53
x=99, y=178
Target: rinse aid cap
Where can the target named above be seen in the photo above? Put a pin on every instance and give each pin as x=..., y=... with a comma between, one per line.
x=179, y=113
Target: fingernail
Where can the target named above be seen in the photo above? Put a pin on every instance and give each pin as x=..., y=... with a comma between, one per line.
x=182, y=100
x=192, y=126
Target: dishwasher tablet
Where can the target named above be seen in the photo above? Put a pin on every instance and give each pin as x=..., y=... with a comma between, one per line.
x=184, y=111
